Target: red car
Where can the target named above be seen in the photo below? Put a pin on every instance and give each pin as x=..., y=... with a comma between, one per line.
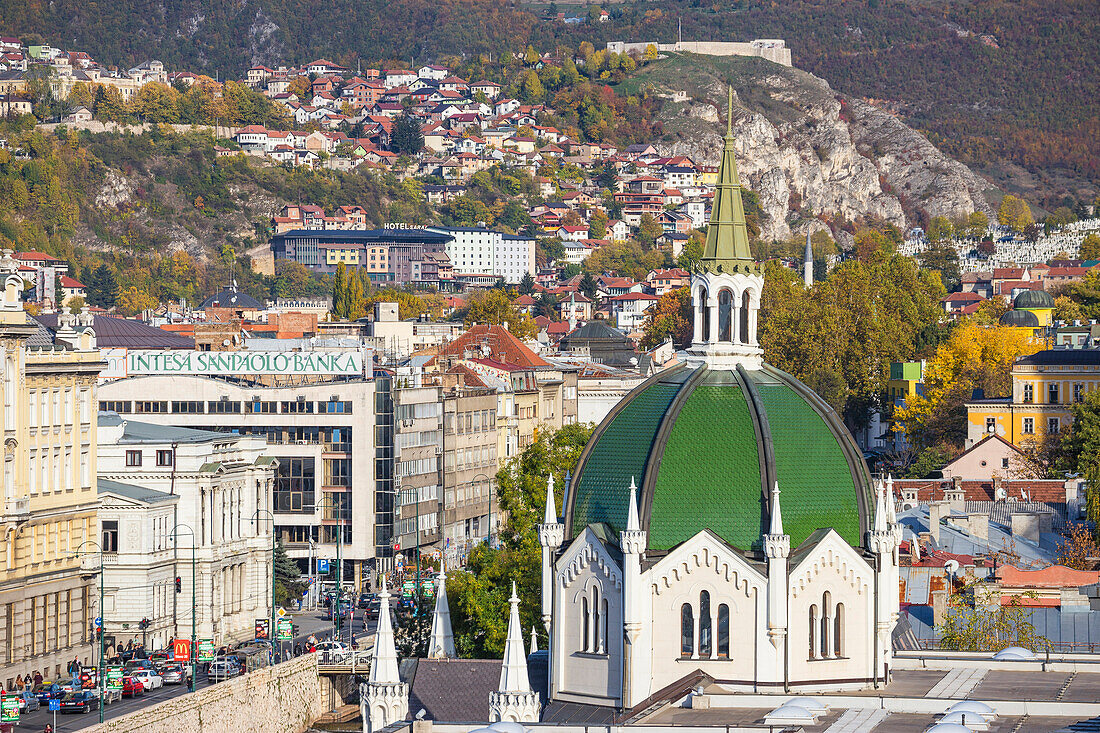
x=132, y=687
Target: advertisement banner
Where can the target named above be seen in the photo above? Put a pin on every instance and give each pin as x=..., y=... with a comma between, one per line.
x=206, y=650
x=230, y=363
x=114, y=678
x=181, y=650
x=284, y=630
x=263, y=628
x=9, y=709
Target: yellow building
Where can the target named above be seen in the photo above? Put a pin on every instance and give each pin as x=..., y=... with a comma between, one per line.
x=336, y=254
x=1045, y=386
x=48, y=590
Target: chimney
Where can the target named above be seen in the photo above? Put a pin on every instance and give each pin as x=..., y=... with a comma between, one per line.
x=939, y=605
x=937, y=510
x=956, y=496
x=1025, y=525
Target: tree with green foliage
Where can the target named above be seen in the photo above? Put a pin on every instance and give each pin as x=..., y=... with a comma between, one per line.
x=340, y=307
x=495, y=307
x=940, y=255
x=587, y=286
x=692, y=252
x=649, y=230
x=478, y=596
x=407, y=138
x=288, y=585
x=930, y=460
x=1090, y=247
x=526, y=284
x=669, y=318
x=102, y=288
x=355, y=299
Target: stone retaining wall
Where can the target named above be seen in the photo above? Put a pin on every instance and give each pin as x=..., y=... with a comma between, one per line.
x=285, y=698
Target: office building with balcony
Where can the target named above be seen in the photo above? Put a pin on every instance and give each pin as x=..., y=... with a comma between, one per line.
x=331, y=494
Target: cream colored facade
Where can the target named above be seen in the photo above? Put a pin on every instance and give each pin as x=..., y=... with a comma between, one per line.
x=48, y=553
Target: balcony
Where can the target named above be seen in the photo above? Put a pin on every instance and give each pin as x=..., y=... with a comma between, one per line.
x=17, y=510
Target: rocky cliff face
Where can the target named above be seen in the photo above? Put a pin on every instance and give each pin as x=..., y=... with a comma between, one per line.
x=807, y=151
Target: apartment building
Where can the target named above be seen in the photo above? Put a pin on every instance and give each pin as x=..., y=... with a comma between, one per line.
x=476, y=251
x=50, y=563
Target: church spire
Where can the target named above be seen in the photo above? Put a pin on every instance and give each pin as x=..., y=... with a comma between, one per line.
x=775, y=527
x=383, y=669
x=550, y=516
x=441, y=645
x=727, y=248
x=632, y=523
x=514, y=700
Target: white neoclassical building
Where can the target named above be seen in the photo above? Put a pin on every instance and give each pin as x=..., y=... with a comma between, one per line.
x=720, y=521
x=164, y=488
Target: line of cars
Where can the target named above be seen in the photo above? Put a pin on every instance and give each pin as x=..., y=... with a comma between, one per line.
x=139, y=676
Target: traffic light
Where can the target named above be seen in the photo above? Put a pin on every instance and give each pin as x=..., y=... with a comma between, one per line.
x=179, y=584
x=143, y=624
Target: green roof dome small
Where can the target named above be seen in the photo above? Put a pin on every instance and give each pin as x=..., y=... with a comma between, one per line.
x=1020, y=319
x=706, y=445
x=1033, y=299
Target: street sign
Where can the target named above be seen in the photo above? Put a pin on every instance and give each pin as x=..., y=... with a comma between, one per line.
x=98, y=622
x=280, y=612
x=55, y=705
x=263, y=628
x=206, y=650
x=114, y=678
x=9, y=709
x=322, y=566
x=284, y=629
x=181, y=650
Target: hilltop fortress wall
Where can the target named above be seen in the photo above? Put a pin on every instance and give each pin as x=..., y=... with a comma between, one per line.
x=772, y=49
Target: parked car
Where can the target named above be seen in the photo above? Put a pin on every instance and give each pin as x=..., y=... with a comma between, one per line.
x=149, y=678
x=132, y=687
x=175, y=674
x=53, y=691
x=366, y=599
x=80, y=701
x=222, y=670
x=28, y=702
x=135, y=664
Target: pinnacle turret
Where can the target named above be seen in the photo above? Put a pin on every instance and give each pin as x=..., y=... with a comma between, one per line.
x=441, y=645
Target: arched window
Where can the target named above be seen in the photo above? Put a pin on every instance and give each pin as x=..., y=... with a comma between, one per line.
x=725, y=316
x=826, y=624
x=723, y=631
x=705, y=335
x=584, y=624
x=603, y=634
x=704, y=625
x=743, y=331
x=813, y=632
x=838, y=631
x=687, y=630
x=594, y=645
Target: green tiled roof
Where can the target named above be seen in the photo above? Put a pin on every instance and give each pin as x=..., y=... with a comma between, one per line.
x=621, y=449
x=695, y=442
x=815, y=477
x=720, y=474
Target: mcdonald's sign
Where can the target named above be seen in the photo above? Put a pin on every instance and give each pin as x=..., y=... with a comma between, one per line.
x=181, y=650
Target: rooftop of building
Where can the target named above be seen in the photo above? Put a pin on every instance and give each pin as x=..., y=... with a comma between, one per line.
x=130, y=491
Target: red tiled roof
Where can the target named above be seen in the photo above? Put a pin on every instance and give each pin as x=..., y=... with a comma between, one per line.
x=1055, y=576
x=469, y=376
x=1053, y=491
x=501, y=344
x=34, y=256
x=68, y=282
x=962, y=298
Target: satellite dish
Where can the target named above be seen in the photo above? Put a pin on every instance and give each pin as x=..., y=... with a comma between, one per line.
x=951, y=567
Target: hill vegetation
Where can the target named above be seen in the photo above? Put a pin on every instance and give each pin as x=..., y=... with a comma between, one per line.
x=995, y=83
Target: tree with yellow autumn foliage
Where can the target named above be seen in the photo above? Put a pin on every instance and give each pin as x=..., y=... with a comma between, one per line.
x=972, y=358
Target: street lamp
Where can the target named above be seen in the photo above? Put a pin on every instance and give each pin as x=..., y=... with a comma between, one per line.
x=271, y=629
x=102, y=622
x=338, y=508
x=194, y=606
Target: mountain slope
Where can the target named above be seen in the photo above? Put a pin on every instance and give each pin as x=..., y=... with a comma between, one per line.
x=807, y=151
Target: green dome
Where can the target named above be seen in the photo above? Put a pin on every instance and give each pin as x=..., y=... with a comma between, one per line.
x=706, y=445
x=1020, y=319
x=1033, y=299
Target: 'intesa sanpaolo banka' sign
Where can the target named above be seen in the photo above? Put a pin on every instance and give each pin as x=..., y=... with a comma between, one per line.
x=332, y=363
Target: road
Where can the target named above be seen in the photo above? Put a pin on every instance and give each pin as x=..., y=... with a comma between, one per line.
x=309, y=622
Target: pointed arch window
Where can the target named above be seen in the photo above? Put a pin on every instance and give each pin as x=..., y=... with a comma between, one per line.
x=826, y=624
x=687, y=630
x=704, y=336
x=723, y=631
x=603, y=628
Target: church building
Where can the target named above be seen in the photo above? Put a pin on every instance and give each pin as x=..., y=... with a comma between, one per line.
x=721, y=519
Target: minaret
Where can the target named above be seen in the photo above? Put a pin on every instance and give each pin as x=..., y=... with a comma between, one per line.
x=551, y=535
x=441, y=645
x=632, y=542
x=882, y=541
x=514, y=700
x=727, y=288
x=385, y=696
x=808, y=263
x=777, y=548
